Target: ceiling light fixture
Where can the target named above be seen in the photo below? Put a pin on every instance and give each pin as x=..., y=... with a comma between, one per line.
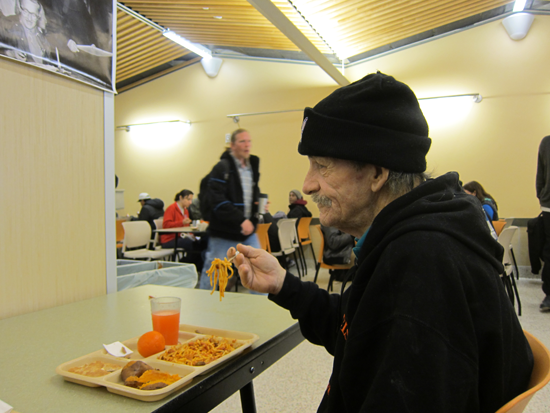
x=519, y=5
x=194, y=47
x=476, y=97
x=329, y=28
x=128, y=127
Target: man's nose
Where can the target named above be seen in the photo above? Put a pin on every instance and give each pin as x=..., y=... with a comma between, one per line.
x=310, y=184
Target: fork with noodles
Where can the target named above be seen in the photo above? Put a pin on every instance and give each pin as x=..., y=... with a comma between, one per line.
x=219, y=272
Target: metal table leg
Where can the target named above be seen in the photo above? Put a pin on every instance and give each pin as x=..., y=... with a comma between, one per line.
x=248, y=402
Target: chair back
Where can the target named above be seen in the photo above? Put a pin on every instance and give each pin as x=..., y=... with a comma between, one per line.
x=303, y=228
x=136, y=234
x=155, y=235
x=321, y=244
x=505, y=239
x=499, y=225
x=287, y=229
x=293, y=234
x=539, y=377
x=263, y=237
x=119, y=230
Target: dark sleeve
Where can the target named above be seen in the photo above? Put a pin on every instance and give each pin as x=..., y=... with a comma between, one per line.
x=316, y=310
x=222, y=205
x=541, y=172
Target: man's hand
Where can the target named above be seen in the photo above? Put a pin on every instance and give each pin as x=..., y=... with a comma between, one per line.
x=247, y=227
x=259, y=270
x=186, y=221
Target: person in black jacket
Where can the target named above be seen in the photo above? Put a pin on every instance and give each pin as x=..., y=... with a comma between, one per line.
x=297, y=207
x=234, y=191
x=151, y=209
x=543, y=194
x=426, y=325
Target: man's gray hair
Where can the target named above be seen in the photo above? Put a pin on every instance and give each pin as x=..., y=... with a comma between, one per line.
x=399, y=183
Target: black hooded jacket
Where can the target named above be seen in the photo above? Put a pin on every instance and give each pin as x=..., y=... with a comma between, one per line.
x=227, y=198
x=426, y=325
x=151, y=210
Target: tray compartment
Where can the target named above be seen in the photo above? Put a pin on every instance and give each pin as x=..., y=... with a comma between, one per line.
x=89, y=381
x=115, y=384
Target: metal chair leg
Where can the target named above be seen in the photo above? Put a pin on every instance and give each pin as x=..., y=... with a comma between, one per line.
x=514, y=285
x=317, y=267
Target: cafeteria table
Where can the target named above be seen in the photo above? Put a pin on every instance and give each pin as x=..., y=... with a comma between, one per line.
x=33, y=345
x=180, y=230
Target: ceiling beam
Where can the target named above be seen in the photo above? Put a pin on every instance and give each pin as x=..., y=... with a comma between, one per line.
x=279, y=20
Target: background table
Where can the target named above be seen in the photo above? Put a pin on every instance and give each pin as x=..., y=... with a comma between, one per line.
x=177, y=231
x=33, y=345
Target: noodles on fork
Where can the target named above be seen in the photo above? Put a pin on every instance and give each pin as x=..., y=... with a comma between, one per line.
x=219, y=272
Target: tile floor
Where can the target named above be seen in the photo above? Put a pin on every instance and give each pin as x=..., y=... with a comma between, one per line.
x=297, y=382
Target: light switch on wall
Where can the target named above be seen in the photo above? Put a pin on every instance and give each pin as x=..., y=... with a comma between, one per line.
x=227, y=138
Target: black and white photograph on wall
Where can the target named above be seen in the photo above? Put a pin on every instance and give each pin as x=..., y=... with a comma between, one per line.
x=73, y=38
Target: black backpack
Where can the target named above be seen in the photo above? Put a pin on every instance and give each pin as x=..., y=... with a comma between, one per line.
x=205, y=200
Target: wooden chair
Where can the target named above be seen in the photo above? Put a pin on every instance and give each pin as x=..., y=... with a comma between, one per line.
x=304, y=237
x=509, y=261
x=499, y=225
x=261, y=232
x=539, y=377
x=137, y=234
x=321, y=264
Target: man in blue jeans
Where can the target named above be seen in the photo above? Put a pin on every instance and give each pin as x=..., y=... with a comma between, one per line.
x=234, y=193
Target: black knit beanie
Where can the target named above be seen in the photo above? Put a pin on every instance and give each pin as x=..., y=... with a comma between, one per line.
x=376, y=120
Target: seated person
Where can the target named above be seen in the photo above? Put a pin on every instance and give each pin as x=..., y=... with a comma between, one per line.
x=337, y=251
x=151, y=209
x=176, y=215
x=297, y=205
x=487, y=201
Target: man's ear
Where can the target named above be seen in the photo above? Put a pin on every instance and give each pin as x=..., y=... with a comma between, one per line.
x=379, y=178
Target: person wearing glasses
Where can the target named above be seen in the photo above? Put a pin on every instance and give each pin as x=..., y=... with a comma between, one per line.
x=26, y=33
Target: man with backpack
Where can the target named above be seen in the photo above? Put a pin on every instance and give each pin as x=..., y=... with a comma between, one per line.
x=229, y=201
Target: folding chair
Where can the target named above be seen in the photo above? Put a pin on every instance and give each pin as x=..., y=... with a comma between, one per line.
x=138, y=234
x=261, y=232
x=304, y=237
x=509, y=261
x=287, y=229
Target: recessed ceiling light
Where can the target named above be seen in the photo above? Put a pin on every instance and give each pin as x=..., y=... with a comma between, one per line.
x=218, y=17
x=206, y=8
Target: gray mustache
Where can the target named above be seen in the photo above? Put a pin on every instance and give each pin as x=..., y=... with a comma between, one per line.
x=321, y=200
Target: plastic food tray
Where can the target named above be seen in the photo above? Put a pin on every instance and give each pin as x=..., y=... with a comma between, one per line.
x=114, y=383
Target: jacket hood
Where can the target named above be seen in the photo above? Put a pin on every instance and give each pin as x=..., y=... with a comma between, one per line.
x=155, y=203
x=442, y=206
x=299, y=202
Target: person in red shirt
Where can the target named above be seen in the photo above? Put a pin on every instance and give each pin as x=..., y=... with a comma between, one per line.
x=177, y=215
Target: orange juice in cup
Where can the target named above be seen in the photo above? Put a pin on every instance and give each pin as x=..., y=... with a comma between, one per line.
x=165, y=312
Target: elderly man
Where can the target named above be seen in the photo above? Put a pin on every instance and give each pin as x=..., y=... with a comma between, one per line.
x=426, y=325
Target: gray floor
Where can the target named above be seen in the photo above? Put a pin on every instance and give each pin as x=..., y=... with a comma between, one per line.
x=297, y=382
